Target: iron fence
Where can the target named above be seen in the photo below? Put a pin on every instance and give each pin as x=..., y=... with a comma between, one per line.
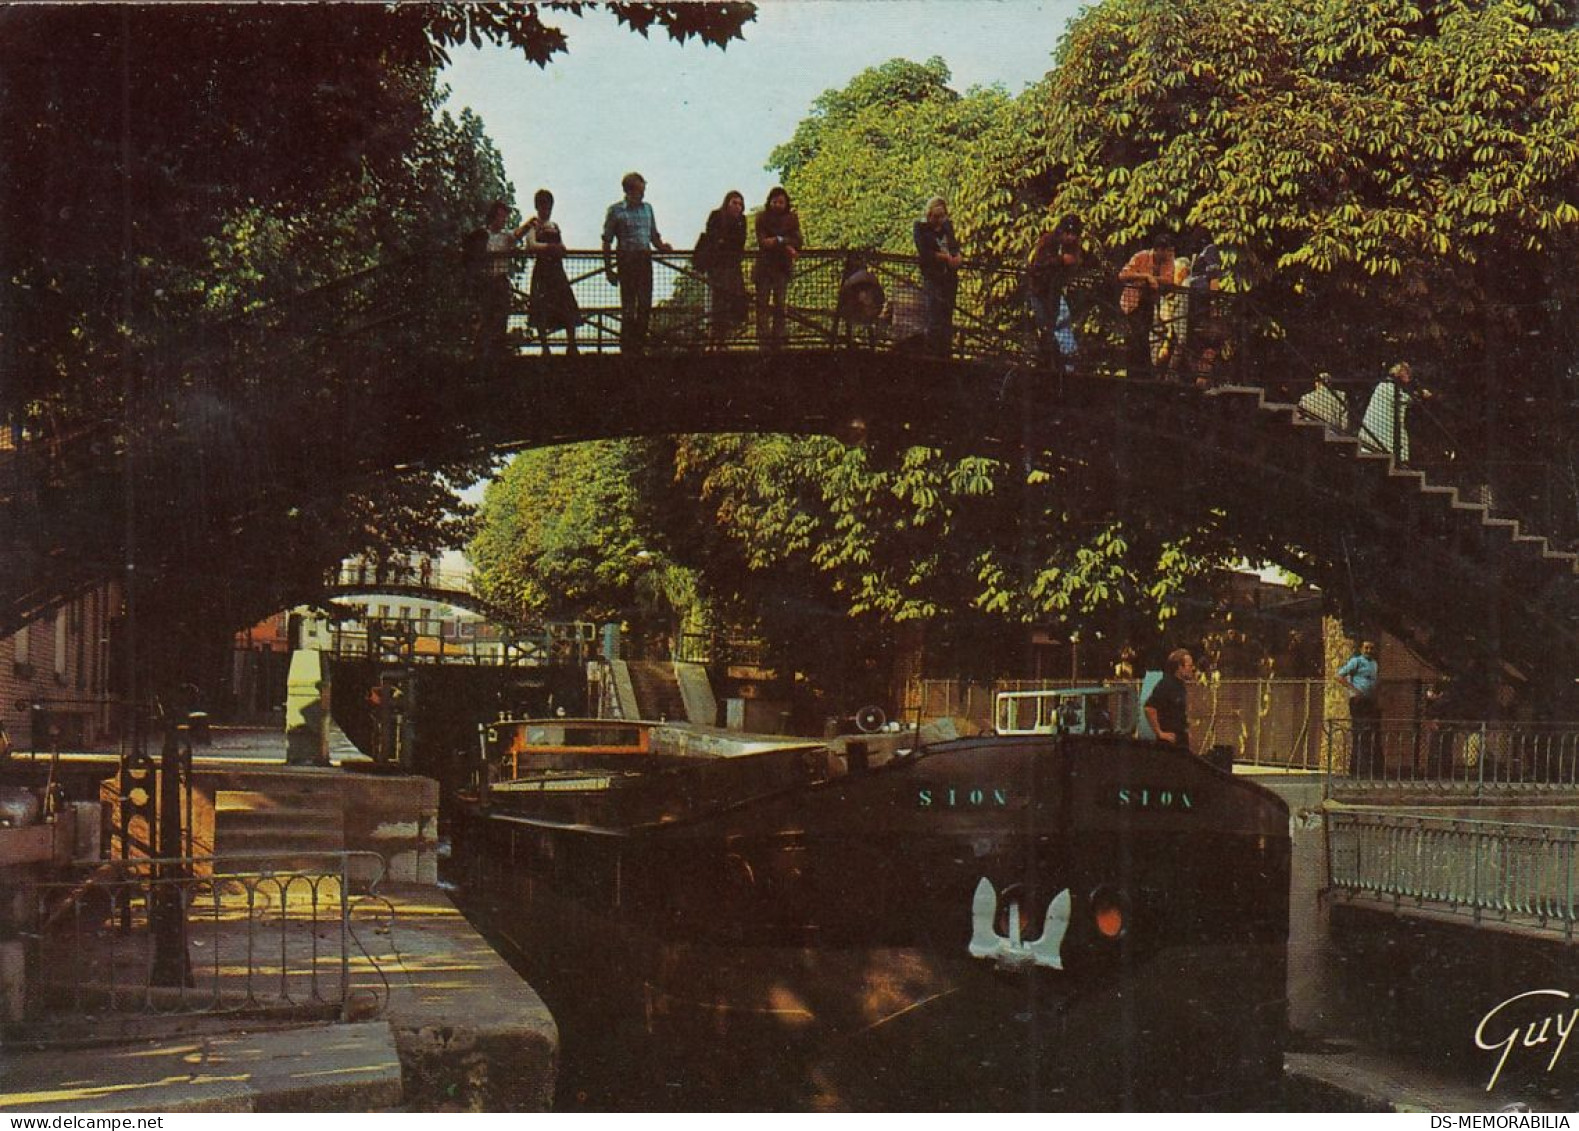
x=721, y=648
x=1460, y=757
x=1268, y=722
x=204, y=935
x=401, y=574
x=1487, y=871
x=425, y=640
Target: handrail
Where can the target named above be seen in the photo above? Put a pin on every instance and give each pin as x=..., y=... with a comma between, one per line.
x=1467, y=757
x=1511, y=873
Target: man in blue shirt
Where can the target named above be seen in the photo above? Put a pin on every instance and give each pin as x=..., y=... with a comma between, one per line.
x=1359, y=674
x=630, y=221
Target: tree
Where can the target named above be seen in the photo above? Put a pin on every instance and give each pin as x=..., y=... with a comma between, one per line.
x=883, y=536
x=1390, y=179
x=132, y=136
x=170, y=165
x=862, y=166
x=569, y=533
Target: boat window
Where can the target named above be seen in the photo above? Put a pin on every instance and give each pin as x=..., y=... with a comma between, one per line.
x=560, y=735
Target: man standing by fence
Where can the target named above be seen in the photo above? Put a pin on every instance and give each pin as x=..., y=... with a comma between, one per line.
x=630, y=222
x=1359, y=674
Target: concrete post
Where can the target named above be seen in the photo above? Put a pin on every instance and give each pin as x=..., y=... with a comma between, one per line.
x=1336, y=648
x=13, y=980
x=307, y=710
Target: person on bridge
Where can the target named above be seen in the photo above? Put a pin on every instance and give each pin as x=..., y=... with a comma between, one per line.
x=1383, y=427
x=719, y=254
x=498, y=294
x=1145, y=276
x=630, y=221
x=778, y=242
x=940, y=258
x=1360, y=674
x=551, y=303
x=1058, y=258
x=1167, y=705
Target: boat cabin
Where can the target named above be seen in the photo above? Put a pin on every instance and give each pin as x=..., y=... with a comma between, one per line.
x=1066, y=710
x=514, y=741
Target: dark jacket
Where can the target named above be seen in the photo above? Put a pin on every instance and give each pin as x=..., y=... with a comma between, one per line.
x=774, y=225
x=726, y=239
x=927, y=247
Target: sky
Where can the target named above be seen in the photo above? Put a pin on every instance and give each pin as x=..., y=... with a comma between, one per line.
x=697, y=121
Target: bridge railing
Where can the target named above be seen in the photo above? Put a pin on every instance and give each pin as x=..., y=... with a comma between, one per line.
x=877, y=300
x=404, y=575
x=1486, y=871
x=1454, y=757
x=432, y=640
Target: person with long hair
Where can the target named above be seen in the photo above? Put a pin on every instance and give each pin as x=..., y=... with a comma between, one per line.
x=720, y=256
x=940, y=258
x=551, y=301
x=778, y=243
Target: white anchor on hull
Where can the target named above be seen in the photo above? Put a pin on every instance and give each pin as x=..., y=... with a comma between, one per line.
x=986, y=942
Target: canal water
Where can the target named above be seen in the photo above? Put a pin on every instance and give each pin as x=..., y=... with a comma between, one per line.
x=608, y=1062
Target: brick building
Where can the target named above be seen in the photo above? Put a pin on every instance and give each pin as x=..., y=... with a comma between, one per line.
x=58, y=675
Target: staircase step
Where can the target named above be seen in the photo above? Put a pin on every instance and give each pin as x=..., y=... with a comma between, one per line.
x=280, y=820
x=280, y=848
x=275, y=801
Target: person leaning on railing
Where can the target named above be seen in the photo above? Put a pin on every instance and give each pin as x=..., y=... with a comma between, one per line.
x=1055, y=262
x=630, y=222
x=1325, y=404
x=939, y=254
x=1143, y=279
x=1384, y=428
x=779, y=241
x=1207, y=332
x=495, y=242
x=551, y=299
x=719, y=254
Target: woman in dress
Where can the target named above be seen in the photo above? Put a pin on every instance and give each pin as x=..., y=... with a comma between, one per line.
x=778, y=243
x=940, y=259
x=551, y=302
x=724, y=250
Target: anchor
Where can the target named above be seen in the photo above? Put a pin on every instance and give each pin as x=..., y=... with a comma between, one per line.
x=1013, y=951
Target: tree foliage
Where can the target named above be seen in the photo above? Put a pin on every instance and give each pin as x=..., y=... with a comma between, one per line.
x=134, y=135
x=171, y=164
x=863, y=166
x=893, y=535
x=570, y=533
x=1389, y=178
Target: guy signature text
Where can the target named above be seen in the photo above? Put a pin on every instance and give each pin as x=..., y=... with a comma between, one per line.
x=1498, y=1029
